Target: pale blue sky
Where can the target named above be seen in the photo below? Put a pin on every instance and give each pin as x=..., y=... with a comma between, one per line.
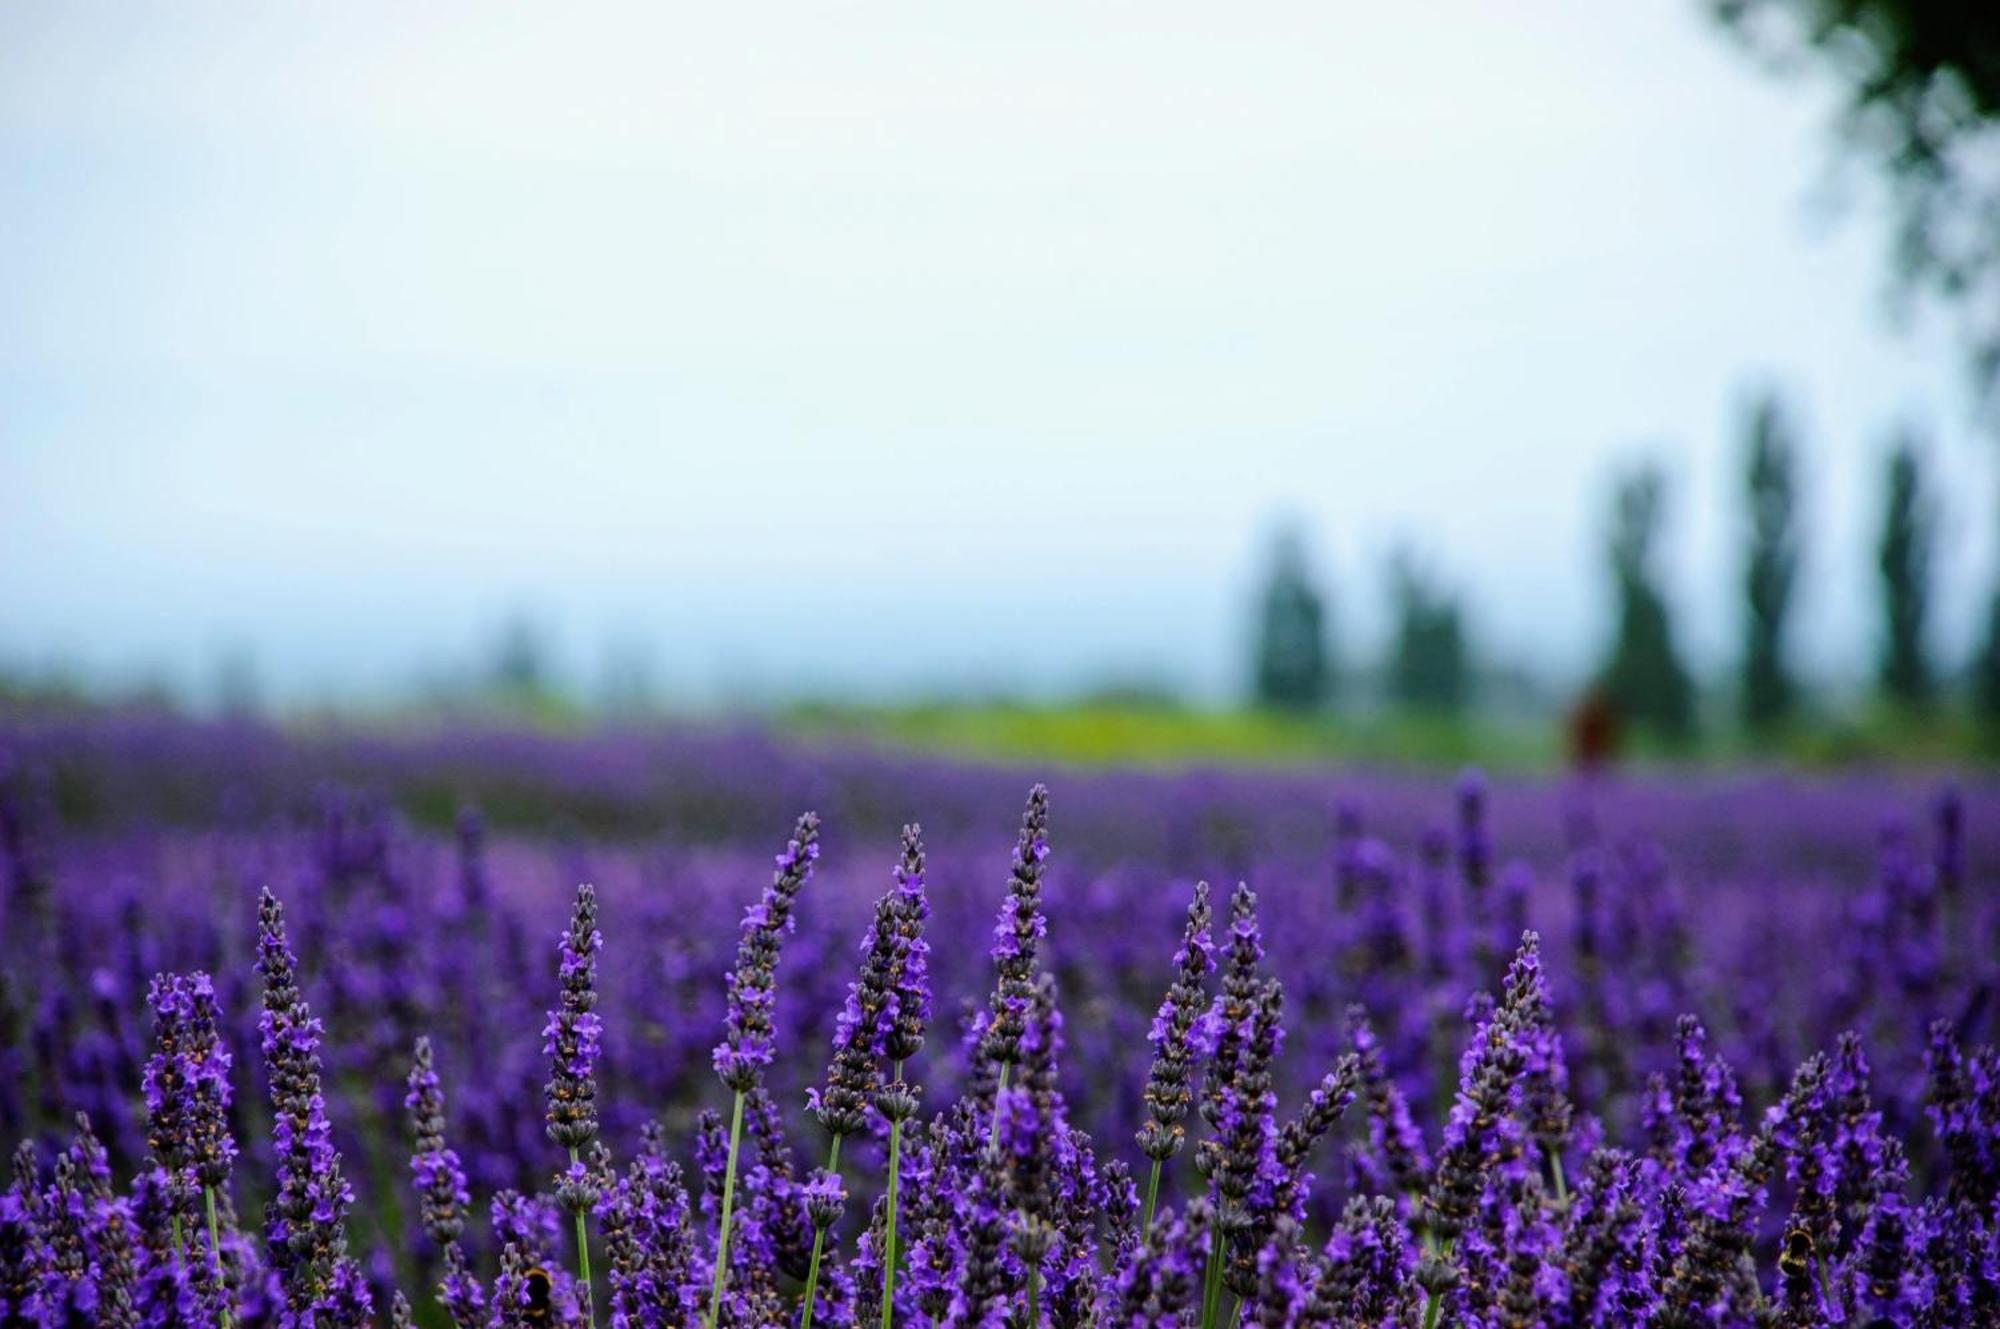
x=872, y=346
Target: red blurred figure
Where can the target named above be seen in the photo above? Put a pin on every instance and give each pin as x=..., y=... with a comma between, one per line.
x=1594, y=730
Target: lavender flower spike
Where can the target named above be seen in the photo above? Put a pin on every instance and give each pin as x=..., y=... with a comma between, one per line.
x=187, y=1083
x=441, y=1188
x=747, y=1046
x=854, y=1076
x=1017, y=936
x=909, y=1018
x=911, y=980
x=574, y=1034
x=305, y=1230
x=187, y=1101
x=861, y=1031
x=571, y=1041
x=1176, y=1040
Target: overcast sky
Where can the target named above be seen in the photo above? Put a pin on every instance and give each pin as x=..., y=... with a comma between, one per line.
x=871, y=346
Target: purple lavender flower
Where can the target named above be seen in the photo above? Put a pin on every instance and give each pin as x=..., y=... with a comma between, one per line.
x=910, y=984
x=1174, y=1036
x=862, y=1029
x=1324, y=1106
x=1475, y=843
x=463, y=1297
x=1885, y=1283
x=574, y=1034
x=1476, y=1134
x=1249, y=1177
x=1160, y=1284
x=187, y=1083
x=1229, y=1020
x=648, y=1243
x=1367, y=1271
x=305, y=1229
x=1964, y=1108
x=441, y=1188
x=1394, y=1138
x=1017, y=937
x=747, y=1049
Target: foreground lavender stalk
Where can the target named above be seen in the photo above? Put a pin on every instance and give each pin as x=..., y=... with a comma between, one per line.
x=854, y=1075
x=305, y=1230
x=908, y=1025
x=571, y=1041
x=1479, y=1130
x=747, y=1046
x=187, y=1102
x=1017, y=938
x=1176, y=1038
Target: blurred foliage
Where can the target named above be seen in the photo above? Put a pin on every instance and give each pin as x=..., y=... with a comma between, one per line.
x=1645, y=676
x=1909, y=533
x=1920, y=82
x=1986, y=671
x=1428, y=668
x=1771, y=571
x=1293, y=662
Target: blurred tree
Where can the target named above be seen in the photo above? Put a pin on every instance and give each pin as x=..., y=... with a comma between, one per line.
x=625, y=690
x=1772, y=568
x=1909, y=530
x=1645, y=678
x=238, y=695
x=1921, y=84
x=1986, y=673
x=1293, y=664
x=520, y=662
x=1427, y=668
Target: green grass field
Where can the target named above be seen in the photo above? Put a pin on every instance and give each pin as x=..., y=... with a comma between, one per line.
x=1124, y=734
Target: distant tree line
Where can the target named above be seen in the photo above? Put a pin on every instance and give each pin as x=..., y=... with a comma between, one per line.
x=1644, y=680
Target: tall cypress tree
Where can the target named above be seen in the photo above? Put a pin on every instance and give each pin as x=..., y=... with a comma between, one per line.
x=1986, y=672
x=1909, y=533
x=1771, y=570
x=1292, y=664
x=1645, y=676
x=1428, y=669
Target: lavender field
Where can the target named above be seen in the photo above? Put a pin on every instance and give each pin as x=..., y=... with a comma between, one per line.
x=332, y=1030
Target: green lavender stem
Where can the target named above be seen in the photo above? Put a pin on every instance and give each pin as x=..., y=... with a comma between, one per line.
x=728, y=1212
x=1034, y=1298
x=215, y=1250
x=583, y=1261
x=889, y=1243
x=819, y=1245
x=1433, y=1301
x=1211, y=1292
x=180, y=1247
x=1562, y=1184
x=993, y=1140
x=1152, y=1199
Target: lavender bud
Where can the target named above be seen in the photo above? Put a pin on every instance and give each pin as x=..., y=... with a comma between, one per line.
x=747, y=1047
x=573, y=1036
x=1017, y=936
x=1175, y=1036
x=441, y=1186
